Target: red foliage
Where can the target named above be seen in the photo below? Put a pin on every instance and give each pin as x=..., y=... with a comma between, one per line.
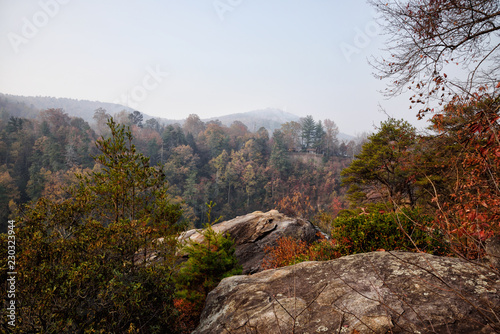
x=188, y=317
x=336, y=206
x=290, y=251
x=470, y=213
x=296, y=204
x=285, y=253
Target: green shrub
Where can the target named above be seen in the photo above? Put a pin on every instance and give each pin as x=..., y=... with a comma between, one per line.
x=208, y=263
x=407, y=230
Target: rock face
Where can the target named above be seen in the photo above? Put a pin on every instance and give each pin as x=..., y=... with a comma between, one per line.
x=493, y=251
x=252, y=233
x=379, y=292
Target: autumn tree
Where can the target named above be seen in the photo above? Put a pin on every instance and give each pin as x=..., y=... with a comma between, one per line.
x=101, y=117
x=194, y=125
x=331, y=140
x=234, y=176
x=80, y=146
x=238, y=134
x=181, y=165
x=215, y=138
x=218, y=166
x=252, y=151
x=458, y=167
x=291, y=135
x=250, y=181
x=427, y=38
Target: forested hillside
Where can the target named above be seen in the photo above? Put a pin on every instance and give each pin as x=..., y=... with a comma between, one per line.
x=238, y=169
x=434, y=193
x=30, y=106
x=96, y=203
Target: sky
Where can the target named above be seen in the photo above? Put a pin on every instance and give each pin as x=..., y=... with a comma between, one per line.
x=173, y=58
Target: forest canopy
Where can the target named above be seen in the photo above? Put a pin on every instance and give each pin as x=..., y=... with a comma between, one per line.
x=238, y=169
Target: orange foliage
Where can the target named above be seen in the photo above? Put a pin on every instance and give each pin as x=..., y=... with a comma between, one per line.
x=290, y=251
x=336, y=206
x=296, y=204
x=56, y=183
x=145, y=135
x=188, y=317
x=470, y=213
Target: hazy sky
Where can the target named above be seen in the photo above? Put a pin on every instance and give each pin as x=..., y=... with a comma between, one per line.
x=172, y=58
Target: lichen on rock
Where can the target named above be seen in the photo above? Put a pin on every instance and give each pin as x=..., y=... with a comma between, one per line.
x=375, y=292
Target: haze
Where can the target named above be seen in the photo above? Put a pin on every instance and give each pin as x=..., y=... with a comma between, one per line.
x=174, y=58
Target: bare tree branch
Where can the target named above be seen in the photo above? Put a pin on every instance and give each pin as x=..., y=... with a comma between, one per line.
x=427, y=36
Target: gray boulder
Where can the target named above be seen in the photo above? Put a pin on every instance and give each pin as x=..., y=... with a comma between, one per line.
x=379, y=292
x=253, y=232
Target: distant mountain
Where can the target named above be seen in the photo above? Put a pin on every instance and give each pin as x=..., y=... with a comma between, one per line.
x=344, y=137
x=30, y=106
x=269, y=118
x=80, y=108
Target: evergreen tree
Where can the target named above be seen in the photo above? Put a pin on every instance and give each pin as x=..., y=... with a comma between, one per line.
x=136, y=118
x=279, y=156
x=153, y=124
x=308, y=132
x=172, y=136
x=319, y=137
x=208, y=263
x=85, y=263
x=379, y=170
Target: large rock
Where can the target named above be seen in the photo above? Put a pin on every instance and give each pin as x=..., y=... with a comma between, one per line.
x=253, y=232
x=379, y=292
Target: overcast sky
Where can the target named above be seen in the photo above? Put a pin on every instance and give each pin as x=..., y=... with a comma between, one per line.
x=172, y=58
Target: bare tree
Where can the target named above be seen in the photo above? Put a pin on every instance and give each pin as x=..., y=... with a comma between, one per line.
x=428, y=37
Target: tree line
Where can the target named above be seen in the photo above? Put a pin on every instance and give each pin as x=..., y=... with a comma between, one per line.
x=100, y=255
x=240, y=170
x=97, y=246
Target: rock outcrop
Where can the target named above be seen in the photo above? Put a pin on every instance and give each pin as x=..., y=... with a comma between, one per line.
x=379, y=292
x=253, y=232
x=493, y=252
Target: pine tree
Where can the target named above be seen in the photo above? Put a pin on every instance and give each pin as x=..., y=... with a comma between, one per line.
x=85, y=264
x=380, y=167
x=279, y=155
x=208, y=263
x=308, y=132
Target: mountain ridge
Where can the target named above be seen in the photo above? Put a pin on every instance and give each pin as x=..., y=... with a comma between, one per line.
x=269, y=118
x=30, y=106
